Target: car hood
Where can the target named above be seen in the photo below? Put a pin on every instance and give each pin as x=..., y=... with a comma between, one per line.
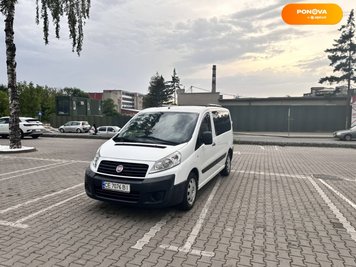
x=136, y=151
x=343, y=132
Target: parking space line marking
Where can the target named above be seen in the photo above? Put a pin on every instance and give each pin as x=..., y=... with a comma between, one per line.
x=187, y=247
x=48, y=208
x=38, y=199
x=153, y=231
x=237, y=152
x=44, y=169
x=23, y=170
x=274, y=174
x=12, y=224
x=349, y=228
x=46, y=159
x=339, y=194
x=262, y=147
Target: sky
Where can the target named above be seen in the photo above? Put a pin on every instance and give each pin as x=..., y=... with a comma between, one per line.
x=126, y=42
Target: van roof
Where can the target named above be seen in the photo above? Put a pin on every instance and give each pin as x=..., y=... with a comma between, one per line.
x=195, y=109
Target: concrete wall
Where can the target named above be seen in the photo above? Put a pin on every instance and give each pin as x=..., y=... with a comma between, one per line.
x=198, y=99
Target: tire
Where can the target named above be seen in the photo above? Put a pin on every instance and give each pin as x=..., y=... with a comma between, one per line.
x=22, y=135
x=190, y=192
x=61, y=130
x=227, y=169
x=35, y=136
x=4, y=136
x=347, y=137
x=78, y=130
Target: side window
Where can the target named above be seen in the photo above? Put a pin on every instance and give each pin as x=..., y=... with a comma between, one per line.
x=110, y=129
x=204, y=127
x=4, y=121
x=222, y=122
x=102, y=129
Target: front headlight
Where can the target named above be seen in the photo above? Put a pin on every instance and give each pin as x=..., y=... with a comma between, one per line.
x=95, y=161
x=166, y=163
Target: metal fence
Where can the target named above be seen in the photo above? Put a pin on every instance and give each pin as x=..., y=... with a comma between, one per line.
x=288, y=118
x=120, y=121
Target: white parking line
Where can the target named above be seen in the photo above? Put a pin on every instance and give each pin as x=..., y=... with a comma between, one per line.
x=46, y=159
x=339, y=194
x=349, y=228
x=262, y=147
x=153, y=231
x=187, y=248
x=24, y=170
x=44, y=169
x=274, y=174
x=38, y=199
x=19, y=223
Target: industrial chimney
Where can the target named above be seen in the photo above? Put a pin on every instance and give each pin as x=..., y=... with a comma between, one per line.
x=213, y=85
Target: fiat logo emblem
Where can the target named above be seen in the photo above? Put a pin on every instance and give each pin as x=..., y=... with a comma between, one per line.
x=119, y=168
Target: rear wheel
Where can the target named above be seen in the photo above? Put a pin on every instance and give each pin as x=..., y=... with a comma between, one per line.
x=190, y=192
x=4, y=136
x=35, y=136
x=78, y=130
x=227, y=169
x=61, y=130
x=22, y=135
x=347, y=137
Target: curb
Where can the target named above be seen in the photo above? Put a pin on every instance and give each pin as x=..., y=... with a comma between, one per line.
x=22, y=150
x=303, y=144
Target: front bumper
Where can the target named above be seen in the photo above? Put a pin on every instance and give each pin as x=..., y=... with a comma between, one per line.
x=154, y=192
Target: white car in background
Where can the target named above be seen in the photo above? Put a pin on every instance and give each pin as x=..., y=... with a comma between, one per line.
x=28, y=126
x=108, y=131
x=75, y=127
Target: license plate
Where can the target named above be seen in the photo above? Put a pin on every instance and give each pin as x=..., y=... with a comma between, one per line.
x=115, y=187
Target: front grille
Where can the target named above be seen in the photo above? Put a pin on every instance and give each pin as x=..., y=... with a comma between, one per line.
x=127, y=197
x=129, y=169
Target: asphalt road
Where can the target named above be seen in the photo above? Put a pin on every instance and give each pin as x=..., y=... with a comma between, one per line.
x=281, y=206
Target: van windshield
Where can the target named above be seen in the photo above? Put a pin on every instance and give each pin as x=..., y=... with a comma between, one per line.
x=170, y=128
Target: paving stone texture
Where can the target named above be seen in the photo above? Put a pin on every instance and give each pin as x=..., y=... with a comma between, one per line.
x=267, y=212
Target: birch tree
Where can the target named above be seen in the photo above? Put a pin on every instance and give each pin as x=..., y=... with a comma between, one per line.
x=75, y=11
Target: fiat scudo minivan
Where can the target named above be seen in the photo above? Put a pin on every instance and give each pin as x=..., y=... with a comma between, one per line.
x=162, y=157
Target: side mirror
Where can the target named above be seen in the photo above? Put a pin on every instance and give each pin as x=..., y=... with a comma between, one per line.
x=207, y=138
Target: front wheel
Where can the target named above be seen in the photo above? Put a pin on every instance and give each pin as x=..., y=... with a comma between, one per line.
x=78, y=131
x=347, y=137
x=190, y=192
x=61, y=130
x=227, y=169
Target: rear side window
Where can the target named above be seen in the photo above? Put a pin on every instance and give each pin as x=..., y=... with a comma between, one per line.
x=222, y=121
x=4, y=121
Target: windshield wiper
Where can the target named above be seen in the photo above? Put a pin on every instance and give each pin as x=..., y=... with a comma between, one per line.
x=124, y=139
x=160, y=141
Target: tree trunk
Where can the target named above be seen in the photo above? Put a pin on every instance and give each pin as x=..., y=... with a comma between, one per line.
x=15, y=132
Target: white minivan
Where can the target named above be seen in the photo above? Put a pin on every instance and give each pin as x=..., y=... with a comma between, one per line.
x=162, y=156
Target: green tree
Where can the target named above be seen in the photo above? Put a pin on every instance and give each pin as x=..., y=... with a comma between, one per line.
x=159, y=93
x=73, y=91
x=76, y=11
x=4, y=103
x=109, y=107
x=343, y=59
x=174, y=85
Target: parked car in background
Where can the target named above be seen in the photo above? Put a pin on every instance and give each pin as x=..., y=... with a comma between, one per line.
x=75, y=127
x=108, y=131
x=346, y=135
x=28, y=126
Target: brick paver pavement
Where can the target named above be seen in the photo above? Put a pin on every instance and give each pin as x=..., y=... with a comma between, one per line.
x=281, y=206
